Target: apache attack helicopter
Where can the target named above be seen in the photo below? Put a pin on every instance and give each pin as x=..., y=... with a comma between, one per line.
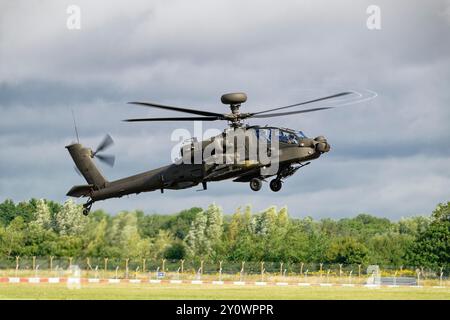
x=295, y=150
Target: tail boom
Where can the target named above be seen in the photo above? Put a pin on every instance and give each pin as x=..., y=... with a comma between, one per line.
x=83, y=160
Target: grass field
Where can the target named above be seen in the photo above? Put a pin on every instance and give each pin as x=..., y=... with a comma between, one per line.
x=188, y=291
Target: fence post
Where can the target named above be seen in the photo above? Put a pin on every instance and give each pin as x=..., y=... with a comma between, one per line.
x=163, y=265
x=301, y=268
x=201, y=267
x=262, y=271
x=220, y=270
x=321, y=265
x=281, y=269
x=182, y=265
x=88, y=262
x=395, y=278
x=126, y=267
x=106, y=265
x=143, y=265
x=70, y=262
x=340, y=270
x=440, y=276
x=359, y=271
x=17, y=264
x=51, y=263
x=242, y=270
x=34, y=262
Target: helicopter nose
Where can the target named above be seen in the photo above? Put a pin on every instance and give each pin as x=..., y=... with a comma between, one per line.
x=322, y=144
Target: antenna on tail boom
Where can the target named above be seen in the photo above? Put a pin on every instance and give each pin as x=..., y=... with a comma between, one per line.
x=75, y=126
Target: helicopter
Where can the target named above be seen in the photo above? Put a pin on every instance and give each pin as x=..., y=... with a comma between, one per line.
x=293, y=150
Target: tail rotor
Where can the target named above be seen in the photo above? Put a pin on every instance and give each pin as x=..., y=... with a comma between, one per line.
x=105, y=158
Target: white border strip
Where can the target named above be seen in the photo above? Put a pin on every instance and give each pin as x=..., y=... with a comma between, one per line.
x=134, y=280
x=304, y=284
x=154, y=281
x=282, y=284
x=93, y=280
x=113, y=280
x=53, y=280
x=176, y=281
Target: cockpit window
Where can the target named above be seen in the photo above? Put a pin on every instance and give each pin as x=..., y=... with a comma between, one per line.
x=301, y=135
x=288, y=137
x=283, y=136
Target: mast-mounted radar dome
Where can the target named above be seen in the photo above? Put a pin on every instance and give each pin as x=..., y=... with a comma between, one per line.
x=234, y=98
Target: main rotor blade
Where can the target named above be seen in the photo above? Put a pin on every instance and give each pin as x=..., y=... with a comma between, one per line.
x=185, y=110
x=106, y=142
x=303, y=103
x=279, y=114
x=174, y=119
x=106, y=158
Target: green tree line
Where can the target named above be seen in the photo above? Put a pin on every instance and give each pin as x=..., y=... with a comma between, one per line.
x=43, y=228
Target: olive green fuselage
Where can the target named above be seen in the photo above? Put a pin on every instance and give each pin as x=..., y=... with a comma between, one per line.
x=185, y=175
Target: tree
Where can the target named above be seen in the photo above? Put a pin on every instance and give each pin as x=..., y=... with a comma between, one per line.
x=389, y=249
x=181, y=222
x=69, y=220
x=7, y=212
x=196, y=243
x=12, y=238
x=162, y=242
x=432, y=246
x=42, y=216
x=124, y=236
x=234, y=227
x=347, y=250
x=214, y=230
x=96, y=238
x=175, y=251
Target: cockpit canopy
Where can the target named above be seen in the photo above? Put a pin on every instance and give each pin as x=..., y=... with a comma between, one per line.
x=285, y=136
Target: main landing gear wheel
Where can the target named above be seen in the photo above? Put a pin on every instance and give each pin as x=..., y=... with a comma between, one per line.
x=255, y=184
x=275, y=185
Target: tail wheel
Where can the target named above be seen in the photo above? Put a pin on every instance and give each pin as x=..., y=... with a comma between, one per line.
x=87, y=207
x=275, y=185
x=255, y=184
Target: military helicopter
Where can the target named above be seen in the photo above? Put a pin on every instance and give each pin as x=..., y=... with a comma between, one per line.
x=294, y=151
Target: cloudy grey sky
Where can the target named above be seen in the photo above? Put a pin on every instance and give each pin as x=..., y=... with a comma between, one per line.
x=390, y=157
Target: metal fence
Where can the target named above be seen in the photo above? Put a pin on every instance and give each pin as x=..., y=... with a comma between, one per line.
x=111, y=267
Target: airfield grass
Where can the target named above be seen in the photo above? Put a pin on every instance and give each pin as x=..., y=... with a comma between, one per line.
x=48, y=291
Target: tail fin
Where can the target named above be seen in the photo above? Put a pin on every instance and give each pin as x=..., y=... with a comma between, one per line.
x=83, y=160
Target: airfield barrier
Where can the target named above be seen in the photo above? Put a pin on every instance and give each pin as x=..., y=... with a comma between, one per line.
x=237, y=271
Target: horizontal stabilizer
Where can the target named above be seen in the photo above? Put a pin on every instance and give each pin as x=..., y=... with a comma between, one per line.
x=81, y=191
